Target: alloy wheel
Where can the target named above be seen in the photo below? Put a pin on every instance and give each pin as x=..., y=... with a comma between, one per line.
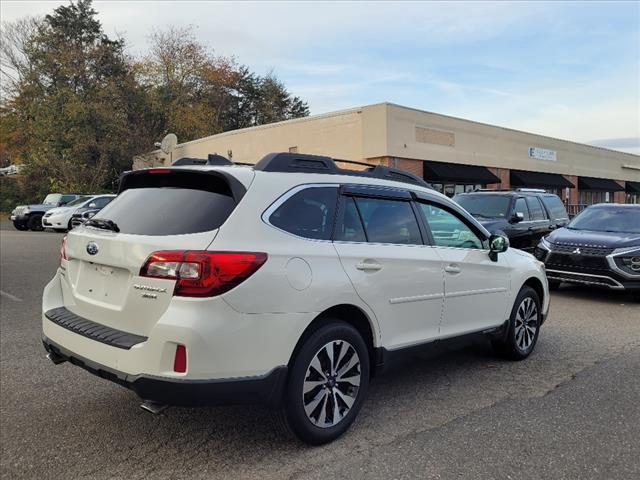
x=331, y=383
x=526, y=323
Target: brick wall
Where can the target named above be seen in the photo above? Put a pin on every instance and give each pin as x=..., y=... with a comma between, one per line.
x=505, y=178
x=619, y=197
x=413, y=166
x=573, y=192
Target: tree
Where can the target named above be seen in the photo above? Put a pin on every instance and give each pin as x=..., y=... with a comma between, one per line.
x=74, y=101
x=197, y=93
x=75, y=109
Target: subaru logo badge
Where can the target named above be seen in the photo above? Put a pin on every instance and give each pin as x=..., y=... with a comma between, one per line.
x=92, y=248
x=577, y=251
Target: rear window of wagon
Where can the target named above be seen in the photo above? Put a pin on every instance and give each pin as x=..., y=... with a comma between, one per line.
x=170, y=203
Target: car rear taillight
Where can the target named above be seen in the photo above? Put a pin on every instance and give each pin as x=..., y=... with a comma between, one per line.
x=180, y=359
x=63, y=249
x=202, y=273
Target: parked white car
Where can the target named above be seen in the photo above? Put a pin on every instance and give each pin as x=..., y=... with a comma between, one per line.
x=290, y=283
x=59, y=218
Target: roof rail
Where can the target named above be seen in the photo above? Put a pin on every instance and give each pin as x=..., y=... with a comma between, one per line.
x=212, y=159
x=303, y=163
x=531, y=190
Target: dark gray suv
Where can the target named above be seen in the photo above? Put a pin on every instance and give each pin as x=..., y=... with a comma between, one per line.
x=524, y=215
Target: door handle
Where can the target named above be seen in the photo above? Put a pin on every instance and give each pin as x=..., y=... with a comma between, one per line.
x=452, y=269
x=368, y=266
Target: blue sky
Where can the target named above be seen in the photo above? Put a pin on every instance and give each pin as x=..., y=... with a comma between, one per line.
x=565, y=69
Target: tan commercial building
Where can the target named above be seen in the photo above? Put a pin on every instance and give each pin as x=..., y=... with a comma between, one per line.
x=453, y=154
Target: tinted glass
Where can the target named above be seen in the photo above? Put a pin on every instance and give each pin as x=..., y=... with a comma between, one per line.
x=308, y=213
x=101, y=202
x=484, y=206
x=521, y=206
x=168, y=211
x=77, y=201
x=611, y=219
x=535, y=209
x=349, y=227
x=389, y=221
x=52, y=199
x=67, y=198
x=448, y=230
x=555, y=207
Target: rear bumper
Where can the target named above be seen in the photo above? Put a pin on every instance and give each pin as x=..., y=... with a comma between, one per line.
x=266, y=389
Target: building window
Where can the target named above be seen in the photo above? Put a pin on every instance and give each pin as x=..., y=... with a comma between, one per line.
x=591, y=197
x=451, y=189
x=633, y=198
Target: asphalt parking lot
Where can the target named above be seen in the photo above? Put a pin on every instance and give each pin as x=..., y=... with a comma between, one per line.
x=569, y=411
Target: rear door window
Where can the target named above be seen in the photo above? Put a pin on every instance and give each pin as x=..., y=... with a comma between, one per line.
x=171, y=204
x=101, y=202
x=349, y=227
x=521, y=207
x=389, y=221
x=535, y=209
x=555, y=207
x=308, y=213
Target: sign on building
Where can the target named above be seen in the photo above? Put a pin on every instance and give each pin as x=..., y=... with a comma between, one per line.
x=542, y=154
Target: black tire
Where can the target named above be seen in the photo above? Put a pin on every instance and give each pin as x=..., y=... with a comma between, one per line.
x=20, y=226
x=304, y=426
x=69, y=226
x=519, y=342
x=636, y=296
x=35, y=223
x=554, y=285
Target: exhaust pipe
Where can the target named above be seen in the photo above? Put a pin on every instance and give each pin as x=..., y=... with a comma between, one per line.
x=55, y=358
x=153, y=407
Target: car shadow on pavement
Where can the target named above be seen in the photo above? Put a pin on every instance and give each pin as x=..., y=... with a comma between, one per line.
x=594, y=294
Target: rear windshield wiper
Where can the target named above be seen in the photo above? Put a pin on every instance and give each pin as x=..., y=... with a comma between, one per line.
x=103, y=224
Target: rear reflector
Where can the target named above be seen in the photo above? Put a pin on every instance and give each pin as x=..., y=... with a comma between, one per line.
x=202, y=273
x=63, y=249
x=180, y=361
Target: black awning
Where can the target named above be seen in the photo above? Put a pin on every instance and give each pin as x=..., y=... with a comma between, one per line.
x=520, y=178
x=599, y=184
x=632, y=187
x=440, y=172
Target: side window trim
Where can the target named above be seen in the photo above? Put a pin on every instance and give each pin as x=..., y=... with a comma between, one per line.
x=481, y=236
x=345, y=192
x=526, y=206
x=340, y=209
x=542, y=207
x=277, y=203
x=375, y=191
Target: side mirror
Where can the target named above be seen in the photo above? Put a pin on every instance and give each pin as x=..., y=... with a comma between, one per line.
x=517, y=217
x=498, y=243
x=92, y=205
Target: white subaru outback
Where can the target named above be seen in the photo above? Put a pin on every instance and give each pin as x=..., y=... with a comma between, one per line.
x=289, y=283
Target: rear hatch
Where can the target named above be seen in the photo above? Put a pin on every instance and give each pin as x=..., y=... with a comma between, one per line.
x=156, y=210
